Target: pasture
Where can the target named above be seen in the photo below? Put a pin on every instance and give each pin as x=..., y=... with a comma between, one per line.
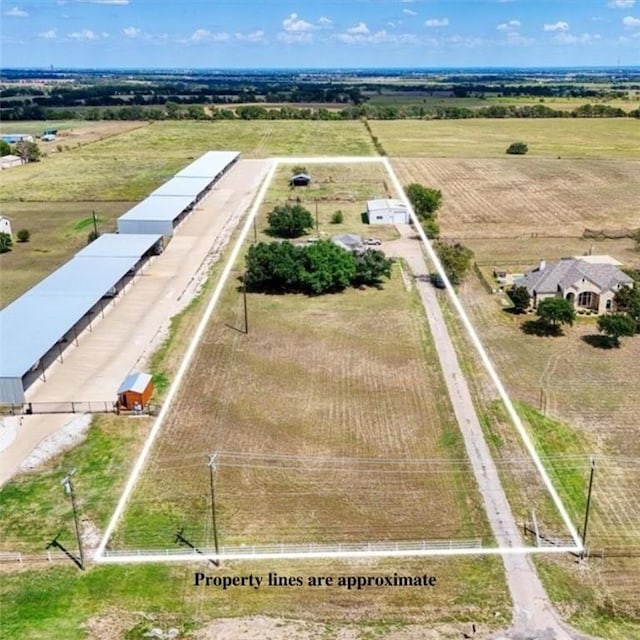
x=518, y=198
x=477, y=138
x=330, y=419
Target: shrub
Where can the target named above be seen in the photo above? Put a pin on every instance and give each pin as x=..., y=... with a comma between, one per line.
x=337, y=217
x=5, y=242
x=517, y=148
x=92, y=236
x=24, y=235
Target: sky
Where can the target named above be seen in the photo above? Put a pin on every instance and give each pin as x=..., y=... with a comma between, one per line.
x=319, y=33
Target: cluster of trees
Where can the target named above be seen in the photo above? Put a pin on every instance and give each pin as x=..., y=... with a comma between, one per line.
x=425, y=202
x=321, y=267
x=27, y=151
x=626, y=320
x=174, y=110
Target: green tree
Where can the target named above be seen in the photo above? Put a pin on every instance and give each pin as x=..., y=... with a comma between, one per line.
x=456, y=260
x=23, y=235
x=5, y=148
x=5, y=242
x=289, y=221
x=326, y=268
x=520, y=298
x=424, y=200
x=615, y=326
x=273, y=267
x=517, y=148
x=28, y=151
x=371, y=266
x=627, y=299
x=431, y=228
x=337, y=217
x=554, y=312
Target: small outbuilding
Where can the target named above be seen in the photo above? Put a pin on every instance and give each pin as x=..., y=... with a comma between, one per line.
x=5, y=225
x=11, y=160
x=135, y=392
x=387, y=211
x=349, y=241
x=300, y=180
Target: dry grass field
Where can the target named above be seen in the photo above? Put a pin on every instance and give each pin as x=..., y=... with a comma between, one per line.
x=524, y=197
x=330, y=417
x=478, y=138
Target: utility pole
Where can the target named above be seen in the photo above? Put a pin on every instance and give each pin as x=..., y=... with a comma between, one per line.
x=95, y=223
x=68, y=487
x=316, y=200
x=212, y=469
x=255, y=230
x=244, y=303
x=586, y=512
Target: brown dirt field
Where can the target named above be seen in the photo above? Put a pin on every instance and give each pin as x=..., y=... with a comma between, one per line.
x=89, y=132
x=484, y=198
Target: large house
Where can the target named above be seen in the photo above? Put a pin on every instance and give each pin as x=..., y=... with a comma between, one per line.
x=585, y=283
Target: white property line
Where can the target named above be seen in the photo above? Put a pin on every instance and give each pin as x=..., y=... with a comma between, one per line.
x=175, y=385
x=113, y=558
x=486, y=361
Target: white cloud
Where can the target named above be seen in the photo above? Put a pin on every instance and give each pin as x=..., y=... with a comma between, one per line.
x=631, y=22
x=295, y=37
x=295, y=24
x=557, y=26
x=204, y=35
x=436, y=22
x=49, y=35
x=511, y=25
x=253, y=37
x=377, y=37
x=324, y=21
x=131, y=32
x=622, y=4
x=16, y=12
x=86, y=34
x=570, y=38
x=410, y=12
x=361, y=28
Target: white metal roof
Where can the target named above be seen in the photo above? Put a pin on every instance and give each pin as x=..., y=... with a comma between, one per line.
x=209, y=165
x=31, y=325
x=119, y=245
x=385, y=204
x=179, y=186
x=158, y=208
x=136, y=382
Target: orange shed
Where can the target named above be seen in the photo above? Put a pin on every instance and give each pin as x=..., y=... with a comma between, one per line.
x=135, y=392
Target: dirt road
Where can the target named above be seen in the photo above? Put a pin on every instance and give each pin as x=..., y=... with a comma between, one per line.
x=534, y=616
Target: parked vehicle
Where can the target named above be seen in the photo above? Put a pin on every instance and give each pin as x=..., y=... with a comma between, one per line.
x=372, y=241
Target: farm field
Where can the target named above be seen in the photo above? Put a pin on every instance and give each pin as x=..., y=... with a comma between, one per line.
x=58, y=230
x=519, y=198
x=330, y=419
x=477, y=138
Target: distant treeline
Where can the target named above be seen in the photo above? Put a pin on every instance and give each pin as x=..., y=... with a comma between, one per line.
x=174, y=111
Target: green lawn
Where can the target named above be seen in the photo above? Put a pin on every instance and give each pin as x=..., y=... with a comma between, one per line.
x=476, y=138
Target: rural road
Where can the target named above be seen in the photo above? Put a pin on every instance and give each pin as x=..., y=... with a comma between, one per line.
x=534, y=616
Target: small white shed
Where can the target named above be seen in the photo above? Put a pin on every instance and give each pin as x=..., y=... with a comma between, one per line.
x=5, y=225
x=387, y=211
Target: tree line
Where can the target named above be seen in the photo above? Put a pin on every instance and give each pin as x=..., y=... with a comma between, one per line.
x=171, y=110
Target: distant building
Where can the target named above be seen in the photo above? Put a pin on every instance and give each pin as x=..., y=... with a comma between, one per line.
x=387, y=211
x=300, y=180
x=13, y=138
x=587, y=285
x=5, y=225
x=6, y=162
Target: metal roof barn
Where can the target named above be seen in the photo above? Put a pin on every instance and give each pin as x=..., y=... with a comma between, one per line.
x=155, y=215
x=211, y=165
x=34, y=323
x=120, y=245
x=192, y=187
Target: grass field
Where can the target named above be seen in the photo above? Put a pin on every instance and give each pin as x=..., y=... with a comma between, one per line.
x=579, y=138
x=524, y=197
x=126, y=602
x=328, y=416
x=58, y=230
